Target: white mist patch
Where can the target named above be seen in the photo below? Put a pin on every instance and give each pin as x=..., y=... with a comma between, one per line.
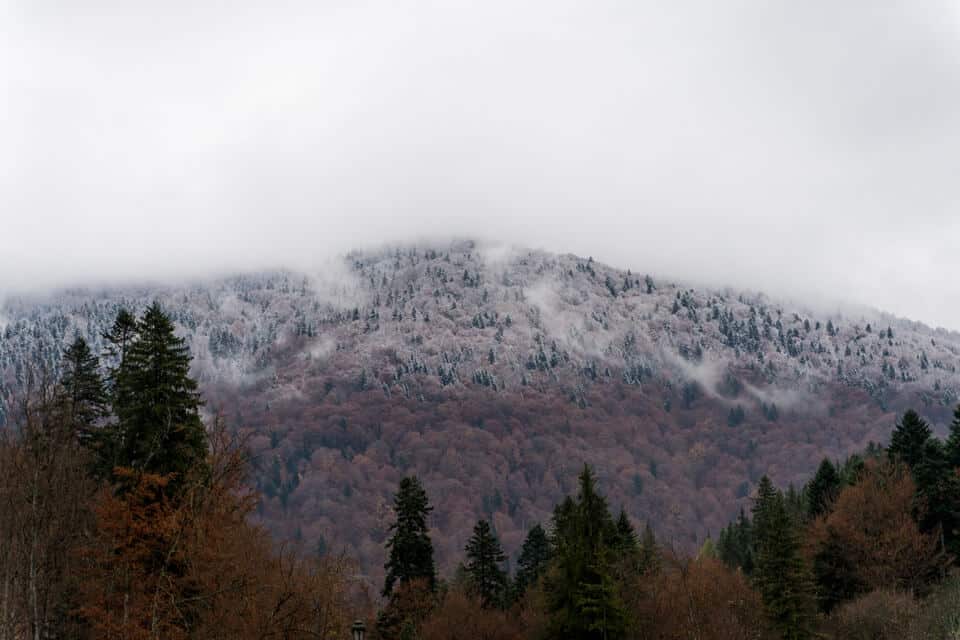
x=782, y=398
x=334, y=283
x=320, y=349
x=559, y=313
x=707, y=374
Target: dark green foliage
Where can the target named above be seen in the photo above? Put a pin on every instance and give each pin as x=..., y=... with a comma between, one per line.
x=410, y=547
x=736, y=416
x=637, y=484
x=84, y=397
x=835, y=575
x=626, y=535
x=534, y=557
x=780, y=575
x=735, y=544
x=938, y=487
x=823, y=489
x=119, y=338
x=582, y=600
x=953, y=440
x=909, y=439
x=155, y=400
x=485, y=579
x=648, y=557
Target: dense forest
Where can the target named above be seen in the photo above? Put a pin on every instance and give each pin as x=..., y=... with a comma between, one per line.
x=493, y=376
x=127, y=515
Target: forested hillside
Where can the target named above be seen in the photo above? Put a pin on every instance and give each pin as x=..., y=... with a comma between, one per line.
x=495, y=375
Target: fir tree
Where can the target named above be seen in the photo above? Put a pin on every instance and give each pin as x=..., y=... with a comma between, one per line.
x=735, y=544
x=156, y=401
x=835, y=574
x=534, y=556
x=626, y=535
x=83, y=393
x=485, y=578
x=953, y=440
x=581, y=599
x=822, y=490
x=411, y=551
x=649, y=553
x=909, y=439
x=119, y=338
x=781, y=575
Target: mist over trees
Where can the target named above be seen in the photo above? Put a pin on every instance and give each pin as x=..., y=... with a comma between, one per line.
x=133, y=510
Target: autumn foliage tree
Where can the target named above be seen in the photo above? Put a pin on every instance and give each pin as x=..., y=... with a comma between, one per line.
x=871, y=538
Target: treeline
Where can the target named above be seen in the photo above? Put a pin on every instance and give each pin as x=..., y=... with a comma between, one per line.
x=586, y=575
x=866, y=549
x=123, y=516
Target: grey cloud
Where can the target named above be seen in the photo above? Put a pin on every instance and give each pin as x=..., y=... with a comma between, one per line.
x=808, y=149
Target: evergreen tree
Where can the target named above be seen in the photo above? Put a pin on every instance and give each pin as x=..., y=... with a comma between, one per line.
x=953, y=440
x=82, y=388
x=534, y=557
x=626, y=535
x=582, y=600
x=156, y=401
x=822, y=490
x=735, y=544
x=649, y=554
x=119, y=338
x=835, y=574
x=909, y=439
x=762, y=505
x=411, y=551
x=485, y=578
x=780, y=575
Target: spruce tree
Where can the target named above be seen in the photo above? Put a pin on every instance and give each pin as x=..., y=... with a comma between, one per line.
x=626, y=535
x=534, y=557
x=410, y=547
x=735, y=545
x=953, y=440
x=156, y=401
x=85, y=400
x=486, y=580
x=781, y=575
x=582, y=600
x=649, y=555
x=909, y=439
x=822, y=490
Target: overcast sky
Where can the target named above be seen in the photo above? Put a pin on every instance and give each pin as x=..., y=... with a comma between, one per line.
x=810, y=148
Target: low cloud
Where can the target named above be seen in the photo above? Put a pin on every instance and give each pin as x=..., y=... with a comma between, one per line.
x=797, y=148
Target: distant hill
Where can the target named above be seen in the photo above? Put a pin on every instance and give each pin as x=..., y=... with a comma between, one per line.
x=495, y=374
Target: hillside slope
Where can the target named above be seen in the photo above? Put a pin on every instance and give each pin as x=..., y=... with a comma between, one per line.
x=496, y=374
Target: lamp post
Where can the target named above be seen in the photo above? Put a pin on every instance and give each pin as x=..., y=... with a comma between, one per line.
x=359, y=629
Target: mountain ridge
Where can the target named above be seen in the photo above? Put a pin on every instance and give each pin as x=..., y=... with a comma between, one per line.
x=495, y=373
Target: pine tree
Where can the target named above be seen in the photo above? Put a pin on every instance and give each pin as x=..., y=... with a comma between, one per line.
x=823, y=489
x=156, y=401
x=485, y=578
x=83, y=393
x=411, y=551
x=909, y=439
x=534, y=557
